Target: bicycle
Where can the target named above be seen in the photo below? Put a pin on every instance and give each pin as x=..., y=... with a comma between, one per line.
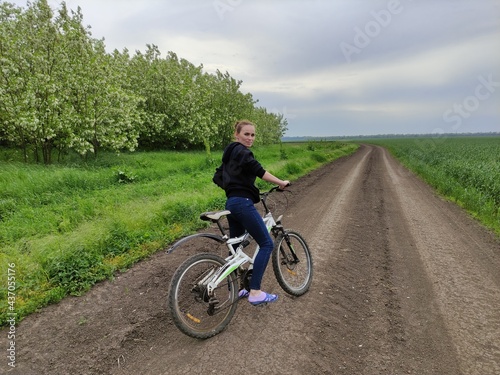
x=204, y=289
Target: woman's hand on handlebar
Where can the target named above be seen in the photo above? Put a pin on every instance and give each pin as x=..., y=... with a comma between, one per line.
x=285, y=184
x=275, y=180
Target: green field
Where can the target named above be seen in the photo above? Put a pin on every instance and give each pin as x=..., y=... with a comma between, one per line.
x=64, y=227
x=466, y=170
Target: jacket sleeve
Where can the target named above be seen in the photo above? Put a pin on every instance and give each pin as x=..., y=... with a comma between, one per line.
x=253, y=166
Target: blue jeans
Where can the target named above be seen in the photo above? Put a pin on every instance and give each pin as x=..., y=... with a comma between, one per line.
x=243, y=216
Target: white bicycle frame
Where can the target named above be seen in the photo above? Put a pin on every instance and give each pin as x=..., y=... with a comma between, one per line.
x=237, y=257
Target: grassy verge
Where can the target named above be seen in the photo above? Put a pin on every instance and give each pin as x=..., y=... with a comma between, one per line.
x=65, y=227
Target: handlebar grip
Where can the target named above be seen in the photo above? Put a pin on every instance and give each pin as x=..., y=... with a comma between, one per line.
x=280, y=189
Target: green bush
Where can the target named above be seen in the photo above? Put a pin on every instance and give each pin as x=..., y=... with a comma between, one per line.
x=320, y=158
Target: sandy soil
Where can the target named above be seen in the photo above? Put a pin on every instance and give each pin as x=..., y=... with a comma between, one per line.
x=405, y=283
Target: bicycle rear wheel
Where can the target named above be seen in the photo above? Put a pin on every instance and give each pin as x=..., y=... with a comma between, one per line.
x=194, y=312
x=292, y=263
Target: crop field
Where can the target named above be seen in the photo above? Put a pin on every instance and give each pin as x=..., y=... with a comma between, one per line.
x=466, y=170
x=64, y=227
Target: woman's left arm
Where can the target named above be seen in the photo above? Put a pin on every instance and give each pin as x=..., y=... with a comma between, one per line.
x=275, y=180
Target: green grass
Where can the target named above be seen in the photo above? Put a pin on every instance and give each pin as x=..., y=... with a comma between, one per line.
x=67, y=226
x=466, y=170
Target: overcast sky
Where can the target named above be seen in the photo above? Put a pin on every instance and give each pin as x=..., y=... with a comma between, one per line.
x=331, y=67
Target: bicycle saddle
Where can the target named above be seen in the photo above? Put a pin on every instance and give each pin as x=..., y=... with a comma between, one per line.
x=213, y=216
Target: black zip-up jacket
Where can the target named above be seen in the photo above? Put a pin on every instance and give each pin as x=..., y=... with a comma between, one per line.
x=242, y=170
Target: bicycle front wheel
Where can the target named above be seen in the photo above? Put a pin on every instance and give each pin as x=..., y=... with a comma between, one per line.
x=292, y=263
x=194, y=311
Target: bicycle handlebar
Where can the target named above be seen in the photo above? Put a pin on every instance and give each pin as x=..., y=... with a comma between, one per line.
x=264, y=195
x=274, y=188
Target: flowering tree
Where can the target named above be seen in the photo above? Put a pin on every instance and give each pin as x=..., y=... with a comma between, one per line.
x=60, y=90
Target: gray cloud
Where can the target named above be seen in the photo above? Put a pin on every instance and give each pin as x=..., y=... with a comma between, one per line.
x=331, y=67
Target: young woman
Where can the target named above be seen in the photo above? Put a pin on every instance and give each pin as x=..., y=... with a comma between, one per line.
x=241, y=195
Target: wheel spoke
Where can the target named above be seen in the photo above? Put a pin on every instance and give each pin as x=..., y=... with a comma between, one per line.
x=292, y=263
x=195, y=312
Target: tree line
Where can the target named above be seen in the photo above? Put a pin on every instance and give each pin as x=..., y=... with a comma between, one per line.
x=60, y=91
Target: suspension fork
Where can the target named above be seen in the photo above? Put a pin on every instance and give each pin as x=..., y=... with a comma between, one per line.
x=278, y=229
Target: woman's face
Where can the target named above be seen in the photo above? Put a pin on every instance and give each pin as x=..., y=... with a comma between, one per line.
x=246, y=136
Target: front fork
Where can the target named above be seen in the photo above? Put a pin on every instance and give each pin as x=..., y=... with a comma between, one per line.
x=276, y=231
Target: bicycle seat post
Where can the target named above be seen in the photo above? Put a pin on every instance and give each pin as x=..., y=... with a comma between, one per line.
x=221, y=227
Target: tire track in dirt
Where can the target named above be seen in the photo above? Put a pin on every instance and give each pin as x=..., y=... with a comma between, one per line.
x=322, y=217
x=370, y=326
x=464, y=273
x=404, y=283
x=288, y=326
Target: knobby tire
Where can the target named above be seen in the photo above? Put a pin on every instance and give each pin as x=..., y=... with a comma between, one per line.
x=189, y=302
x=292, y=263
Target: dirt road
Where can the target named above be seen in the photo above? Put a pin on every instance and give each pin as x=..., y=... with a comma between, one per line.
x=405, y=283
